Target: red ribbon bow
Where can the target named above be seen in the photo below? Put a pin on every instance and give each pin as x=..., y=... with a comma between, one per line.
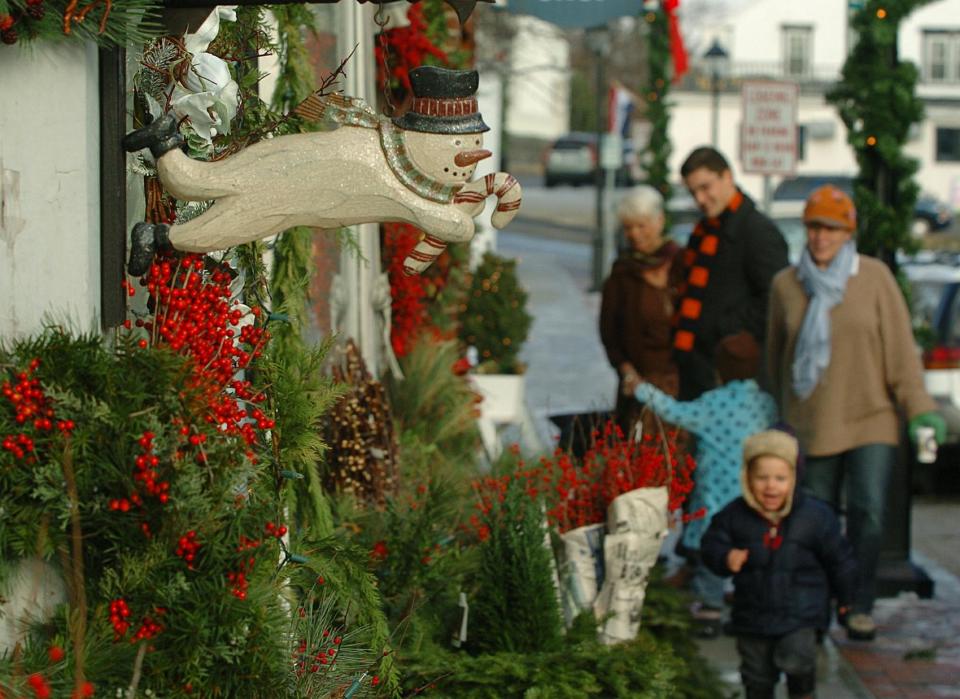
x=772, y=539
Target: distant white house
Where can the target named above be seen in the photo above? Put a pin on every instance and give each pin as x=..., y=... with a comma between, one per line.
x=807, y=43
x=538, y=80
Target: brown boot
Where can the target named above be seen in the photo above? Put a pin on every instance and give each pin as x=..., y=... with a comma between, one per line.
x=861, y=627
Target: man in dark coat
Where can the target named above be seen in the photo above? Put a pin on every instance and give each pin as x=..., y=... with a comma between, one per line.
x=788, y=556
x=730, y=260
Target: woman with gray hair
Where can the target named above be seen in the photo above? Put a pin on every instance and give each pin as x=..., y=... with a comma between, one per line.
x=638, y=301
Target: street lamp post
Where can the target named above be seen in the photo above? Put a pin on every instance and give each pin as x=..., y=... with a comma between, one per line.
x=598, y=41
x=716, y=58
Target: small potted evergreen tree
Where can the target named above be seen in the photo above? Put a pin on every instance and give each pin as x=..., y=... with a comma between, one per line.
x=495, y=323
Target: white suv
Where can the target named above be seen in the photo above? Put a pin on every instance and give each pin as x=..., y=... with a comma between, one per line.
x=935, y=308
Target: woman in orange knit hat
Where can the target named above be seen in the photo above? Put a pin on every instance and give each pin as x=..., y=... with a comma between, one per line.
x=841, y=358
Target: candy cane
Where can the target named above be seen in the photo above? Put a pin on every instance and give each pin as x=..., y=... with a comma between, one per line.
x=470, y=198
x=423, y=255
x=509, y=196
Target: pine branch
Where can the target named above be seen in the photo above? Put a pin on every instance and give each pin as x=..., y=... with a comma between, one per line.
x=78, y=594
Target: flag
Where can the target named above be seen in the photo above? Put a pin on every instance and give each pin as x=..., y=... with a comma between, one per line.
x=677, y=49
x=619, y=110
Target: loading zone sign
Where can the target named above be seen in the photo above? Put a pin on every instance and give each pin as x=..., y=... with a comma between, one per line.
x=768, y=131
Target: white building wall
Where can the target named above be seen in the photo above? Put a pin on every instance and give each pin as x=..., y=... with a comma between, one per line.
x=49, y=160
x=538, y=92
x=941, y=179
x=938, y=178
x=755, y=36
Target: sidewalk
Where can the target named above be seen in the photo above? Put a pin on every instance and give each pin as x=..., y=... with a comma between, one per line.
x=917, y=652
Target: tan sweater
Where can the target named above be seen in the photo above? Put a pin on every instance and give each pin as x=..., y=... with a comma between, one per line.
x=874, y=363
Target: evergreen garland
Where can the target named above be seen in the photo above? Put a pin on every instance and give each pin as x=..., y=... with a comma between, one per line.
x=877, y=102
x=642, y=668
x=301, y=395
x=295, y=77
x=656, y=154
x=116, y=23
x=138, y=499
x=494, y=318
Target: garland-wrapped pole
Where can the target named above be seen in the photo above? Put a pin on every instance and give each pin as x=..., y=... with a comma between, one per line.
x=877, y=101
x=657, y=151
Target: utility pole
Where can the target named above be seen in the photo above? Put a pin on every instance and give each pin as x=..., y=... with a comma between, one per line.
x=598, y=41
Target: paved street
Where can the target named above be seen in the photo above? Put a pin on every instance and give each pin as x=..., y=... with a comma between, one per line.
x=917, y=653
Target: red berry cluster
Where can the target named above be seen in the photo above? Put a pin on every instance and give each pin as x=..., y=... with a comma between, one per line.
x=187, y=548
x=124, y=505
x=318, y=658
x=33, y=11
x=145, y=470
x=578, y=492
x=40, y=686
x=194, y=317
x=238, y=579
x=149, y=627
x=272, y=529
x=8, y=33
x=119, y=611
x=31, y=407
x=19, y=445
x=247, y=544
x=86, y=690
x=27, y=397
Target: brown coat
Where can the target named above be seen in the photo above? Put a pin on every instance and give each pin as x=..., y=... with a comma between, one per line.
x=874, y=363
x=635, y=327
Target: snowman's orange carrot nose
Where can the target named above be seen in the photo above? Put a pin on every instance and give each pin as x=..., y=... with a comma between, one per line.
x=469, y=157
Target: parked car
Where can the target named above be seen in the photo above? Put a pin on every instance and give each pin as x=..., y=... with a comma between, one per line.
x=935, y=310
x=934, y=281
x=571, y=159
x=929, y=214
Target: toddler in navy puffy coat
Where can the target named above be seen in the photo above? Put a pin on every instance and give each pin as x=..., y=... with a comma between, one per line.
x=787, y=555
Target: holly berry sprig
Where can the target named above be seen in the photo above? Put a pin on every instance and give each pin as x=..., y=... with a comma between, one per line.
x=195, y=317
x=119, y=618
x=188, y=547
x=32, y=410
x=34, y=10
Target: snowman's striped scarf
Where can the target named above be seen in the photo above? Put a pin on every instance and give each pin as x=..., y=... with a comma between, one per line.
x=395, y=150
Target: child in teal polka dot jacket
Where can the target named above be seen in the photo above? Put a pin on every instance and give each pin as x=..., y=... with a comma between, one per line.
x=720, y=419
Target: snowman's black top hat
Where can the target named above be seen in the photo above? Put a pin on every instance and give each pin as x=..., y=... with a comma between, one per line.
x=444, y=101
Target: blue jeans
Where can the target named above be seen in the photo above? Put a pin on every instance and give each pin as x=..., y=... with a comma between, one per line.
x=706, y=587
x=864, y=473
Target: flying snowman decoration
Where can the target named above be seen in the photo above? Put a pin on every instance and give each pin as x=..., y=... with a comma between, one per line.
x=415, y=168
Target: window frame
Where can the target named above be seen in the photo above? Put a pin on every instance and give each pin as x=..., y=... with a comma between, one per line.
x=804, y=34
x=949, y=40
x=938, y=151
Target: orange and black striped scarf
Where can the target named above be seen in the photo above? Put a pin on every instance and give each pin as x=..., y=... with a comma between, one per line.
x=698, y=260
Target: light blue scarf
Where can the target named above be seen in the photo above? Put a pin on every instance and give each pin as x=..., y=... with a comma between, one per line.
x=825, y=288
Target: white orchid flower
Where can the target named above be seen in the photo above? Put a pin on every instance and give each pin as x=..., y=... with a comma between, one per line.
x=200, y=40
x=207, y=94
